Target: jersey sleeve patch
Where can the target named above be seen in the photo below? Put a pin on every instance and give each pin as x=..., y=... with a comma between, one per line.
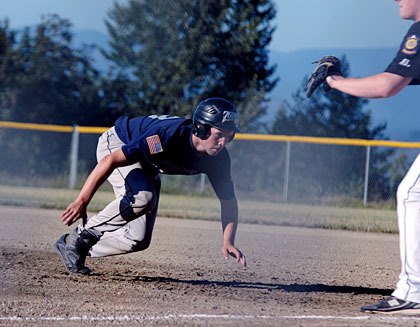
x=411, y=45
x=155, y=146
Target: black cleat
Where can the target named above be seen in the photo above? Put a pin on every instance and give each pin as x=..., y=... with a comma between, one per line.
x=73, y=261
x=392, y=305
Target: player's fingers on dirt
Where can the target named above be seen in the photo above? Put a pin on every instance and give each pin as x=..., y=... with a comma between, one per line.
x=228, y=251
x=240, y=257
x=242, y=260
x=73, y=212
x=71, y=220
x=67, y=220
x=234, y=252
x=225, y=253
x=65, y=215
x=70, y=216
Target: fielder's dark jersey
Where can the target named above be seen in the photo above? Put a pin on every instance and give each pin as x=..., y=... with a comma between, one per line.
x=407, y=61
x=164, y=144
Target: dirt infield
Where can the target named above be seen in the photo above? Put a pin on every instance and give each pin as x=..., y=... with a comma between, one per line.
x=295, y=277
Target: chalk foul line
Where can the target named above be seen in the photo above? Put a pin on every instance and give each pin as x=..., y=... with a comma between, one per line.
x=176, y=317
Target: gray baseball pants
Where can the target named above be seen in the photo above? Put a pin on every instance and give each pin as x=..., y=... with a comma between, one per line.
x=126, y=224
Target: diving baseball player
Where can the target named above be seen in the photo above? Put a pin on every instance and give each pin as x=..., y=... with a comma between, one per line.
x=132, y=155
x=403, y=70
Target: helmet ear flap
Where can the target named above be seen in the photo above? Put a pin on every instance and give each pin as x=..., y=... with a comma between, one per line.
x=202, y=131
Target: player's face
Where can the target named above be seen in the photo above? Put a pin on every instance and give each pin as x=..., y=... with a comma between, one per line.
x=409, y=9
x=217, y=141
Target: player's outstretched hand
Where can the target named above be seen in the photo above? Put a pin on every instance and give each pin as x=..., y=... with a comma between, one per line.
x=231, y=250
x=74, y=211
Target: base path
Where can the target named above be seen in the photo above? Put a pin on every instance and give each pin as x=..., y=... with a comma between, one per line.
x=295, y=276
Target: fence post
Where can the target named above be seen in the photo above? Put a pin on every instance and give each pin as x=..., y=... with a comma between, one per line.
x=286, y=173
x=202, y=182
x=74, y=156
x=365, y=192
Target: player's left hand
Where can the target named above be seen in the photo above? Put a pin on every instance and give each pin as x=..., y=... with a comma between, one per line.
x=231, y=250
x=73, y=212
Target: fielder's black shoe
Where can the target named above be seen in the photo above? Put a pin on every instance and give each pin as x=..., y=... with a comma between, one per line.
x=392, y=305
x=73, y=261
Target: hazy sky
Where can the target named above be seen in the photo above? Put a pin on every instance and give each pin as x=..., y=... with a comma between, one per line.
x=301, y=24
x=309, y=24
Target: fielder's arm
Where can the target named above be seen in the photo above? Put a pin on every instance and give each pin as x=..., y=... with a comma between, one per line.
x=96, y=178
x=383, y=85
x=229, y=209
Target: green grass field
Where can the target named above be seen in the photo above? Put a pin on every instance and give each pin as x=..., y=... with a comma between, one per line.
x=192, y=207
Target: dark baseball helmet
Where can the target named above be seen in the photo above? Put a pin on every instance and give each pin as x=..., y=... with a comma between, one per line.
x=218, y=113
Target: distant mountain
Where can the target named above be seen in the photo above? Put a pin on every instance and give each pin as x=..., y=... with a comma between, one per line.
x=91, y=37
x=401, y=113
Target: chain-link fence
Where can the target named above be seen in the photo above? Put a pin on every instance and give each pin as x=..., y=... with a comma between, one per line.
x=264, y=167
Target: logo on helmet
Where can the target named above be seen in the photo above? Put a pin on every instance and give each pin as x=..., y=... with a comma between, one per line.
x=230, y=116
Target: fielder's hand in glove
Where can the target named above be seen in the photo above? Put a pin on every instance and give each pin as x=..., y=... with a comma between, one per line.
x=326, y=66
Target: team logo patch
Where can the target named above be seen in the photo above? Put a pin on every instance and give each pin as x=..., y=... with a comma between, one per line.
x=405, y=62
x=155, y=146
x=411, y=45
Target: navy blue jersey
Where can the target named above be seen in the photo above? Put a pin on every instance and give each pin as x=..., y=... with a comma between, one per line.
x=407, y=61
x=164, y=144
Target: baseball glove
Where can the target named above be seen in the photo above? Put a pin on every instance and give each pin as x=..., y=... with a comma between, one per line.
x=326, y=66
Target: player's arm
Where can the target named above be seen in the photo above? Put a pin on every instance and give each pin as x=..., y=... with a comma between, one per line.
x=96, y=178
x=383, y=85
x=229, y=213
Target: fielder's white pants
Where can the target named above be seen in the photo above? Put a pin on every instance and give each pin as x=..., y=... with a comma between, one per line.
x=408, y=208
x=126, y=224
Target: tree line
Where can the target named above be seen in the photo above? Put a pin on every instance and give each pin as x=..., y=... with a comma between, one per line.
x=165, y=56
